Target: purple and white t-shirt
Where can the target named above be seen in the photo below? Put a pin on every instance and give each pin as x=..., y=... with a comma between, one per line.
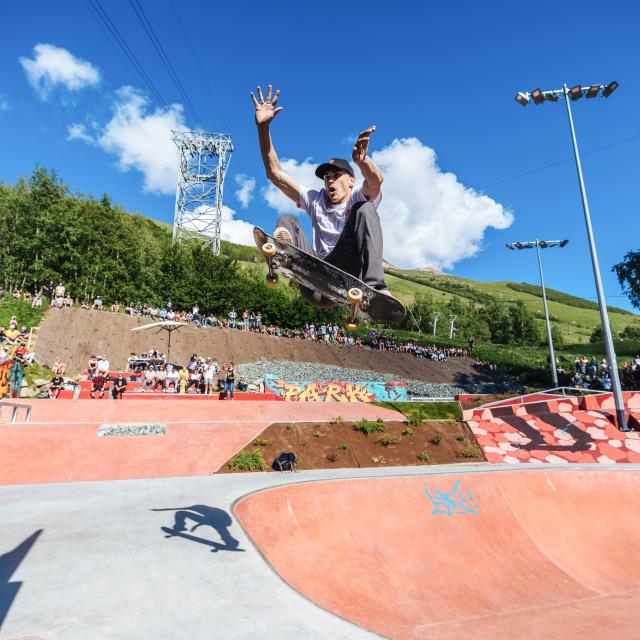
x=328, y=219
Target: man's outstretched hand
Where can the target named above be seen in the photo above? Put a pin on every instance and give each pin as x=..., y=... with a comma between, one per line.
x=361, y=147
x=265, y=109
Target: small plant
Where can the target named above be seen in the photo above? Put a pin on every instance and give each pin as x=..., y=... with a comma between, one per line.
x=344, y=446
x=248, y=461
x=332, y=457
x=318, y=434
x=469, y=452
x=368, y=427
x=408, y=432
x=262, y=442
x=424, y=456
x=415, y=420
x=436, y=438
x=289, y=426
x=337, y=420
x=460, y=438
x=389, y=440
x=378, y=459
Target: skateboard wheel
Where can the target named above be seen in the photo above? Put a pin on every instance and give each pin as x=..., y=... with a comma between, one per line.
x=354, y=295
x=352, y=326
x=268, y=249
x=272, y=279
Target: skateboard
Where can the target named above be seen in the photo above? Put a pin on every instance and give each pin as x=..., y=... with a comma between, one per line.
x=216, y=546
x=329, y=281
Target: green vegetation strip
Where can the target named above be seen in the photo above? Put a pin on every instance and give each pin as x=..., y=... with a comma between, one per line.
x=415, y=411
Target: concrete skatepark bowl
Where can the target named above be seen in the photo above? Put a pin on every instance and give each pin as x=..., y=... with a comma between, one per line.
x=541, y=553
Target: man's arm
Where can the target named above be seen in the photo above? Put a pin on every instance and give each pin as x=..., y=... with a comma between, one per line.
x=265, y=114
x=370, y=171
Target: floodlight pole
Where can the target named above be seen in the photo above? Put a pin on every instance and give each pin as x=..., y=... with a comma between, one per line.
x=552, y=355
x=604, y=316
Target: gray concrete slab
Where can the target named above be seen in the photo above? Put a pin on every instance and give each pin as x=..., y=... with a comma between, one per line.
x=103, y=568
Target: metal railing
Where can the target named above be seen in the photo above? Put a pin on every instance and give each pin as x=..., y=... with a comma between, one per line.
x=556, y=391
x=15, y=408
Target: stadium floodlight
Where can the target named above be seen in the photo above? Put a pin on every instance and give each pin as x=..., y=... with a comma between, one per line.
x=544, y=244
x=550, y=96
x=593, y=91
x=569, y=96
x=522, y=98
x=575, y=93
x=537, y=97
x=610, y=88
x=509, y=245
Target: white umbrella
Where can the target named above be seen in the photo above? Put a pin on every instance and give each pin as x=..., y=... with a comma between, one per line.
x=164, y=325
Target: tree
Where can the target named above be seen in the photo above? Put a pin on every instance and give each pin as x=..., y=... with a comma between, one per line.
x=630, y=332
x=628, y=272
x=597, y=335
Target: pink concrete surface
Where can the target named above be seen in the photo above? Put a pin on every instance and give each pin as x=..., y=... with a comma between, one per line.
x=560, y=430
x=533, y=554
x=60, y=443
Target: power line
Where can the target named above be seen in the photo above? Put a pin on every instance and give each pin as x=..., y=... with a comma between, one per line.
x=116, y=36
x=555, y=164
x=197, y=60
x=164, y=58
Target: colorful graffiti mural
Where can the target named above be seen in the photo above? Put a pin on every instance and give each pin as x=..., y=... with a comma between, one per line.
x=11, y=374
x=336, y=391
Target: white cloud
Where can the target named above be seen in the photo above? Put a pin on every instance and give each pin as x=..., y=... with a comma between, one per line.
x=78, y=131
x=304, y=174
x=429, y=218
x=4, y=103
x=141, y=139
x=52, y=66
x=245, y=193
x=237, y=231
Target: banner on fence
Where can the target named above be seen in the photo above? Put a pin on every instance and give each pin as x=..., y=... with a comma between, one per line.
x=336, y=391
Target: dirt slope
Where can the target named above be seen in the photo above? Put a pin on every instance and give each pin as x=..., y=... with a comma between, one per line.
x=75, y=334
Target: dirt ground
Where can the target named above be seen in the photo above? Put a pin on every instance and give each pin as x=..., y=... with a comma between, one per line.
x=333, y=446
x=75, y=334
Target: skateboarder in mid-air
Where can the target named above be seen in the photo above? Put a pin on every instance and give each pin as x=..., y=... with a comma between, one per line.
x=344, y=219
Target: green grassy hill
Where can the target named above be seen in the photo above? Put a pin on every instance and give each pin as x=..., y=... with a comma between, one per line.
x=574, y=322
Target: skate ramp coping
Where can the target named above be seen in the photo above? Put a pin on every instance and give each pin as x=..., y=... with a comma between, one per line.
x=493, y=555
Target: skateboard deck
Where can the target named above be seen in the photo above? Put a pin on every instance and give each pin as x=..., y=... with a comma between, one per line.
x=329, y=281
x=216, y=546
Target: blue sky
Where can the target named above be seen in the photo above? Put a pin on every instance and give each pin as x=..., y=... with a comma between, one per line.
x=437, y=79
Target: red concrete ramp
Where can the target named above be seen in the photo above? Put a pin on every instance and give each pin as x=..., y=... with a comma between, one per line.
x=527, y=554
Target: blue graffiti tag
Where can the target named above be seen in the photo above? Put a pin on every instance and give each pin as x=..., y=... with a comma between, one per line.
x=454, y=501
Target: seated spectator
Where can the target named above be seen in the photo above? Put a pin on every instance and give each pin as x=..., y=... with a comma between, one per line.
x=171, y=380
x=26, y=295
x=37, y=301
x=131, y=360
x=55, y=386
x=115, y=307
x=119, y=387
x=97, y=303
x=16, y=293
x=242, y=385
x=85, y=304
x=98, y=385
x=92, y=368
x=103, y=365
x=68, y=301
x=150, y=378
x=58, y=367
x=161, y=376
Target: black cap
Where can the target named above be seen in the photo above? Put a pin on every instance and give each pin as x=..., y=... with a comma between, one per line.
x=334, y=163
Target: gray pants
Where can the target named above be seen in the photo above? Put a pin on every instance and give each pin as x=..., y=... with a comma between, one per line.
x=358, y=250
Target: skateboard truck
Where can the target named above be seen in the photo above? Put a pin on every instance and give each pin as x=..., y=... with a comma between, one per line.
x=269, y=252
x=354, y=296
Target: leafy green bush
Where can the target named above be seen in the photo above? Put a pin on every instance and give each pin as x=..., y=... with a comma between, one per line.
x=248, y=461
x=318, y=434
x=408, y=432
x=460, y=438
x=343, y=446
x=378, y=459
x=424, y=456
x=389, y=440
x=436, y=438
x=470, y=451
x=367, y=427
x=337, y=420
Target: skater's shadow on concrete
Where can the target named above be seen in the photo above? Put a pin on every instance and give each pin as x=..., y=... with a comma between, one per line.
x=189, y=519
x=9, y=562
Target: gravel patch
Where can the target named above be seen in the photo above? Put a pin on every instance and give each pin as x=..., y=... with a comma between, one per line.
x=299, y=371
